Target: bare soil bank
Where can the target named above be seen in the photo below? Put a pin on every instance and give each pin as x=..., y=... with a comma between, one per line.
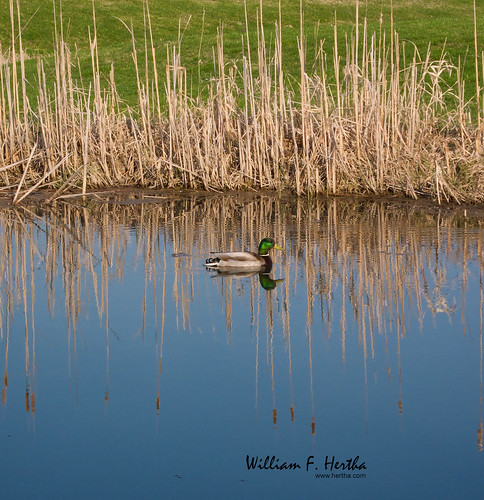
x=137, y=196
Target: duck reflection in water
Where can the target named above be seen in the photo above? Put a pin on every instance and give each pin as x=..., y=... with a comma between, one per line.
x=265, y=279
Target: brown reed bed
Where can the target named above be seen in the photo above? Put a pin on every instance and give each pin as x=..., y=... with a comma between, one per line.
x=368, y=118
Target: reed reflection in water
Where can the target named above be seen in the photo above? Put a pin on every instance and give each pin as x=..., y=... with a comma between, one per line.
x=115, y=295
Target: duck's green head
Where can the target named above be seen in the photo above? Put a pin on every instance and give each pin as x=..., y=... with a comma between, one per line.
x=267, y=244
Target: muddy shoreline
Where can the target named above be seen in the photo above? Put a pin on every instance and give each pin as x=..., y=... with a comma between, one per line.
x=137, y=196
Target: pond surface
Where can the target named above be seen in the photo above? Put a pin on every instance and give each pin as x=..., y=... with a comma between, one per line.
x=354, y=369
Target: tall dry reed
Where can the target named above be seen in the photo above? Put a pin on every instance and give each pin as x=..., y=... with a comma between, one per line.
x=367, y=119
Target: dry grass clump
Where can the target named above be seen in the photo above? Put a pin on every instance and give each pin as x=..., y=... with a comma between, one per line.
x=378, y=122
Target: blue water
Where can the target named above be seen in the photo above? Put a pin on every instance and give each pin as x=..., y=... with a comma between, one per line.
x=131, y=371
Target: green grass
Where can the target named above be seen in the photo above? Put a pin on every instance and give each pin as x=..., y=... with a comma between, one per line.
x=447, y=23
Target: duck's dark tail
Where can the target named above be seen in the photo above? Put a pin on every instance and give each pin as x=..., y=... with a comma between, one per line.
x=212, y=262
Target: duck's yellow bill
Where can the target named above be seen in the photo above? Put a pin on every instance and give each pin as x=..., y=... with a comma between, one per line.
x=277, y=247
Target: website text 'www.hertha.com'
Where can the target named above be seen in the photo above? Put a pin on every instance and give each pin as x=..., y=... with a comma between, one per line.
x=339, y=475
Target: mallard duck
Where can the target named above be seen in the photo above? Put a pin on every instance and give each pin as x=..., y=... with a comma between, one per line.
x=245, y=260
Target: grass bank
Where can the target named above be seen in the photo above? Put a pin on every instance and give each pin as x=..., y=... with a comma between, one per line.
x=361, y=110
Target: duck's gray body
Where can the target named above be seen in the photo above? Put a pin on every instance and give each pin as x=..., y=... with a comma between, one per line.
x=239, y=260
x=244, y=260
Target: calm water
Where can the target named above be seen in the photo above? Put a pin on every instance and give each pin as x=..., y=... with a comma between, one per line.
x=131, y=371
